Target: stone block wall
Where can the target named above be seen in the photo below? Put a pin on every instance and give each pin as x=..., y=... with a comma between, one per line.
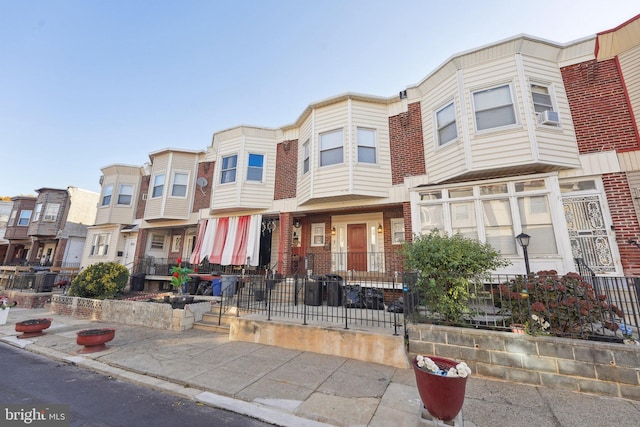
x=575, y=365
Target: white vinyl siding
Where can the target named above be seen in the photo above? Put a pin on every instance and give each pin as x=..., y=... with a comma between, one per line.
x=630, y=67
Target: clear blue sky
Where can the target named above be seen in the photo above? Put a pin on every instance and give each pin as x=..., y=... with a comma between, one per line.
x=89, y=83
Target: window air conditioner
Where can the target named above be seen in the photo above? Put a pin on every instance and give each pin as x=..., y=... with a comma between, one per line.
x=548, y=117
x=144, y=196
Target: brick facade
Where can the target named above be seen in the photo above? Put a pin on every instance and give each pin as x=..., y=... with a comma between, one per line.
x=625, y=220
x=600, y=107
x=286, y=179
x=406, y=144
x=202, y=199
x=142, y=203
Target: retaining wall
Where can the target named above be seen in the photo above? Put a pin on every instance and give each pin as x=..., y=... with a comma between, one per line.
x=576, y=365
x=151, y=314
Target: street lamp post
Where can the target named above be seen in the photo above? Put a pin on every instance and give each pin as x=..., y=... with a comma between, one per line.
x=523, y=239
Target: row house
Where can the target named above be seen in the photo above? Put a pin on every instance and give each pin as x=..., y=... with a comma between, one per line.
x=520, y=136
x=49, y=229
x=6, y=205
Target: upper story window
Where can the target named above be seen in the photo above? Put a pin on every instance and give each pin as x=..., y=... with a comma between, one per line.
x=229, y=165
x=51, y=212
x=494, y=107
x=446, y=124
x=125, y=195
x=158, y=185
x=36, y=212
x=106, y=195
x=331, y=152
x=366, y=145
x=179, y=187
x=25, y=216
x=100, y=244
x=12, y=217
x=543, y=105
x=255, y=167
x=305, y=159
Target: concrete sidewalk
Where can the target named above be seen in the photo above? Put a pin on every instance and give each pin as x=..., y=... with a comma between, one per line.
x=293, y=388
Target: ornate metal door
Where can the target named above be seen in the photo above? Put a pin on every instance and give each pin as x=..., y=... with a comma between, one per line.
x=588, y=232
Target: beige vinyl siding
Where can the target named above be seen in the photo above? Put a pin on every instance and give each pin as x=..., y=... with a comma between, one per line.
x=371, y=179
x=153, y=208
x=179, y=207
x=450, y=159
x=242, y=193
x=630, y=66
x=303, y=190
x=104, y=213
x=330, y=180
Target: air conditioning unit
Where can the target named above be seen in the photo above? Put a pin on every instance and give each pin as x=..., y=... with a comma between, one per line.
x=101, y=179
x=144, y=196
x=548, y=117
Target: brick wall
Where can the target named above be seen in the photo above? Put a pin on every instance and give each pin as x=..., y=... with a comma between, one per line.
x=144, y=189
x=286, y=180
x=407, y=146
x=202, y=199
x=561, y=363
x=625, y=220
x=599, y=106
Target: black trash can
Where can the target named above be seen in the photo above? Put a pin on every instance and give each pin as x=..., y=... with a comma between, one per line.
x=333, y=283
x=44, y=281
x=313, y=291
x=192, y=285
x=137, y=282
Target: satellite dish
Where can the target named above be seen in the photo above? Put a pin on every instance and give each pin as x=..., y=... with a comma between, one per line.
x=202, y=182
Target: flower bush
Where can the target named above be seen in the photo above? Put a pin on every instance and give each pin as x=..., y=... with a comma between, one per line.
x=559, y=305
x=180, y=274
x=101, y=281
x=427, y=364
x=5, y=303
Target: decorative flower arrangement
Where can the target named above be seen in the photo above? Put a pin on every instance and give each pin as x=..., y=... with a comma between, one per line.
x=180, y=274
x=5, y=303
x=538, y=326
x=461, y=370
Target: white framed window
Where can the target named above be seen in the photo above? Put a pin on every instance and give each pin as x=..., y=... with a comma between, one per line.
x=492, y=213
x=125, y=194
x=331, y=148
x=317, y=234
x=255, y=167
x=446, y=124
x=397, y=231
x=51, y=212
x=179, y=186
x=306, y=150
x=12, y=217
x=228, y=172
x=367, y=146
x=494, y=107
x=36, y=212
x=106, y=195
x=25, y=216
x=543, y=104
x=157, y=241
x=158, y=185
x=100, y=244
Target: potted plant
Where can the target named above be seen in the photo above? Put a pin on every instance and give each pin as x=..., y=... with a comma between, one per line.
x=5, y=307
x=179, y=276
x=441, y=384
x=32, y=327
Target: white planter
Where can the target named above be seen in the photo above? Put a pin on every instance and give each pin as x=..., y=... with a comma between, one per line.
x=4, y=314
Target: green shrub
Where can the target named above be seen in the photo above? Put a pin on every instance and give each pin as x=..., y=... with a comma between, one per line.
x=445, y=265
x=103, y=280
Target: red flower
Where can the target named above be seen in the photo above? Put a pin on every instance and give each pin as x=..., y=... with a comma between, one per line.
x=176, y=274
x=179, y=261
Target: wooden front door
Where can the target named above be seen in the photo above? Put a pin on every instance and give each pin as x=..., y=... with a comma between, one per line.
x=357, y=247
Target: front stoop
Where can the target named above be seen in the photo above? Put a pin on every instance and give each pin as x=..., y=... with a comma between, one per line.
x=211, y=319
